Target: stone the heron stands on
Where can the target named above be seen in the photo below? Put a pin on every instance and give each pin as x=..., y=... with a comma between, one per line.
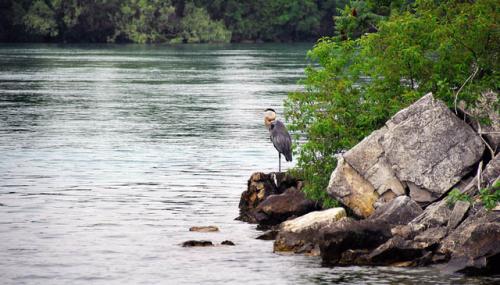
x=279, y=135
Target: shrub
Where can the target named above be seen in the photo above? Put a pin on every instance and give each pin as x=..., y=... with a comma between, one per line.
x=455, y=195
x=490, y=196
x=353, y=86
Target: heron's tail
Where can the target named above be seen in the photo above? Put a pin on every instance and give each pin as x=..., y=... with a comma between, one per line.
x=288, y=156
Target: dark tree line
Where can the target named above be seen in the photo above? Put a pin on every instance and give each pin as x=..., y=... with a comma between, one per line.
x=151, y=21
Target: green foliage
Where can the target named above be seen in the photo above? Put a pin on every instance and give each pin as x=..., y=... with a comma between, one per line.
x=148, y=21
x=353, y=86
x=144, y=21
x=455, y=195
x=356, y=19
x=39, y=19
x=197, y=27
x=277, y=20
x=139, y=21
x=490, y=196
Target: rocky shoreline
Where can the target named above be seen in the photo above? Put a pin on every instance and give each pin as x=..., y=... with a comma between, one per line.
x=396, y=183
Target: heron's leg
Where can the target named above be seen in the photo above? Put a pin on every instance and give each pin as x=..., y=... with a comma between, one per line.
x=279, y=159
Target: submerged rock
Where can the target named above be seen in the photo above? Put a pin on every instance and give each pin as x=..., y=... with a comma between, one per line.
x=204, y=229
x=197, y=243
x=227, y=242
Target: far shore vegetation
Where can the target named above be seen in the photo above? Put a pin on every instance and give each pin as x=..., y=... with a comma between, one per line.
x=166, y=21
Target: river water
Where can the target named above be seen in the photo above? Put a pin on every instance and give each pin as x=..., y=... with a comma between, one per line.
x=108, y=154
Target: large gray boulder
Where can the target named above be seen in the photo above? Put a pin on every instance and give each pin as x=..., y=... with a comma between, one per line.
x=430, y=148
x=423, y=151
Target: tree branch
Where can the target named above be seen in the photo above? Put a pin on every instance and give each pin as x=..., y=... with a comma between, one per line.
x=461, y=87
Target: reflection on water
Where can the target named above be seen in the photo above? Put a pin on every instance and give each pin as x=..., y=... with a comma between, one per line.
x=110, y=153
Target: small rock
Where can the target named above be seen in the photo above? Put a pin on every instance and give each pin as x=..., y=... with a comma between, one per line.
x=204, y=229
x=227, y=242
x=399, y=211
x=432, y=235
x=434, y=215
x=458, y=214
x=197, y=243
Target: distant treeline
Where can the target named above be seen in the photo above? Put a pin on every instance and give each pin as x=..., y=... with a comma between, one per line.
x=154, y=21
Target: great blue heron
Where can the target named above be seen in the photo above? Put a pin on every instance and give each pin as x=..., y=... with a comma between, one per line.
x=279, y=135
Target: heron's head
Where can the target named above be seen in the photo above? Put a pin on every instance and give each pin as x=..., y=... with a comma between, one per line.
x=269, y=116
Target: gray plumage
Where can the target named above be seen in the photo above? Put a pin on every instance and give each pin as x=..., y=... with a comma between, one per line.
x=281, y=139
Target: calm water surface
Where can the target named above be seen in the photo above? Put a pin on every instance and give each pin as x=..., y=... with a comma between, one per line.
x=108, y=154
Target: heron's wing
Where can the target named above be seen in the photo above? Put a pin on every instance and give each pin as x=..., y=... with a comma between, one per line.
x=281, y=139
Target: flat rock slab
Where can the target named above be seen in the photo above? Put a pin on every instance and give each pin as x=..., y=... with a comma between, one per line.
x=204, y=229
x=299, y=235
x=314, y=220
